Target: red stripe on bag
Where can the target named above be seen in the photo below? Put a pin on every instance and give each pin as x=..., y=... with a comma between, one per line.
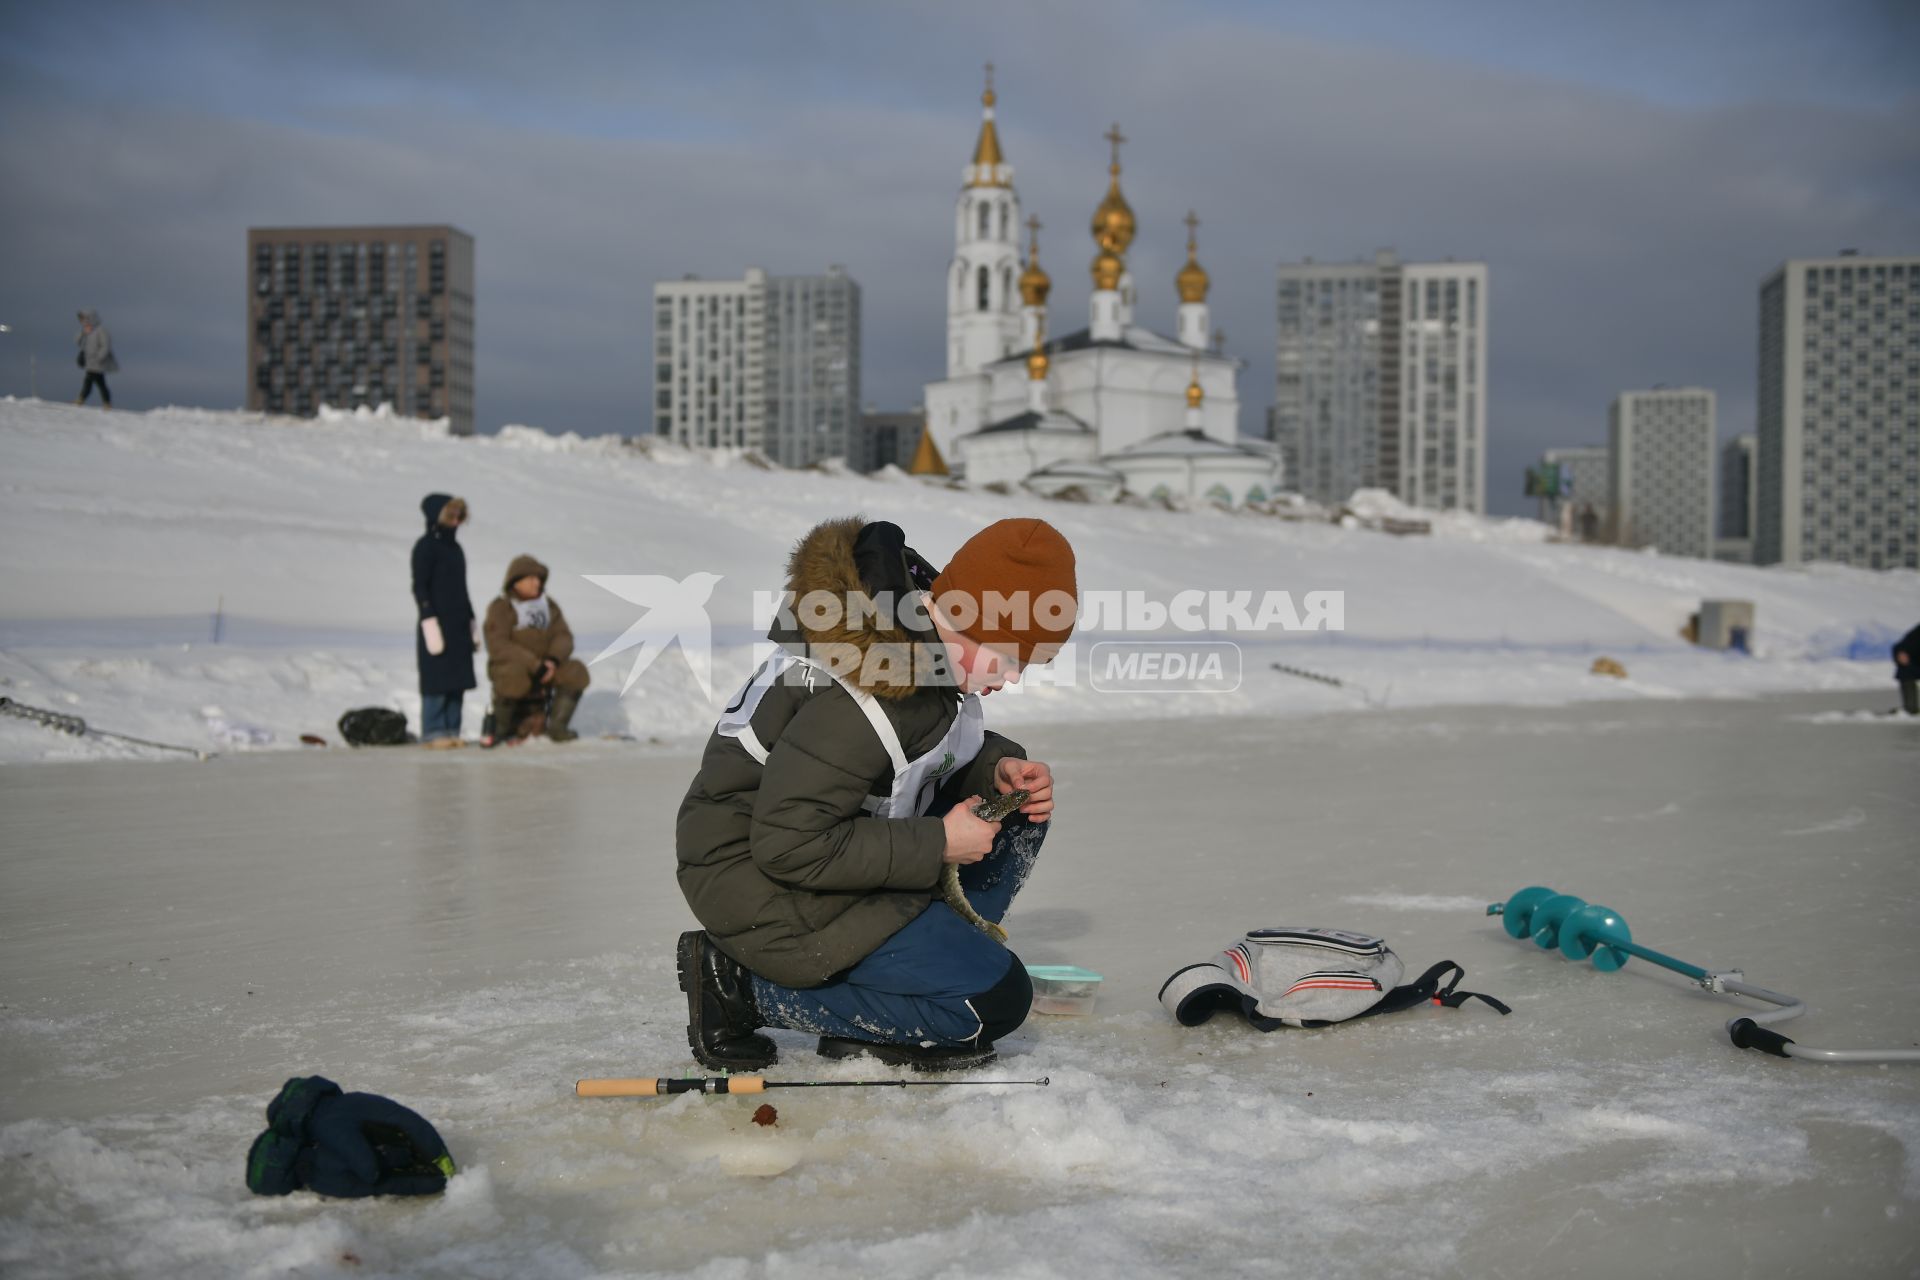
x=1240, y=963
x=1331, y=984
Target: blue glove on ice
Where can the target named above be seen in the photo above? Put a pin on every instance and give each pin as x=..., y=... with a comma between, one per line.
x=345, y=1144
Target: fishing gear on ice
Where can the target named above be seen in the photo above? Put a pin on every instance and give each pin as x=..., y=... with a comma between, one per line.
x=62, y=722
x=1582, y=931
x=1308, y=977
x=636, y=1087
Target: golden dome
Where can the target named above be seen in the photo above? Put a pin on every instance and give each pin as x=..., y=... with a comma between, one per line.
x=1035, y=284
x=1194, y=394
x=1106, y=269
x=1037, y=361
x=1113, y=222
x=987, y=158
x=1192, y=280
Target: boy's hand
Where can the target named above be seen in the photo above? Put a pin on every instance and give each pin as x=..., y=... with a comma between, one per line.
x=1031, y=776
x=968, y=838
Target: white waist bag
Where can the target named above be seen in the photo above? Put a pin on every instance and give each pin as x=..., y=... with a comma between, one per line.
x=1302, y=977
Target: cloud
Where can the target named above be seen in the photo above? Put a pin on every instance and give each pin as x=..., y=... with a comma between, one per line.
x=1627, y=236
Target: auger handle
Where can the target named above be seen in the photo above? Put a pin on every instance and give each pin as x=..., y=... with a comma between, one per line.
x=635, y=1087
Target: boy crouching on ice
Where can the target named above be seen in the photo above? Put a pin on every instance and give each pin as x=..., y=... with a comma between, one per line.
x=840, y=783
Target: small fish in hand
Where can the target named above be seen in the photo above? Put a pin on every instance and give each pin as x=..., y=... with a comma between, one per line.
x=996, y=809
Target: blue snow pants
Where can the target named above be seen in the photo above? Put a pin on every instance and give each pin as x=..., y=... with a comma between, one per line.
x=916, y=987
x=439, y=716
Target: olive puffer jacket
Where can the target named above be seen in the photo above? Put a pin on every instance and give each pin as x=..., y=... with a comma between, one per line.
x=512, y=646
x=778, y=860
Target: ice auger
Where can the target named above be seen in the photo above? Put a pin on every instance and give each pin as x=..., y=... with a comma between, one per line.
x=1583, y=931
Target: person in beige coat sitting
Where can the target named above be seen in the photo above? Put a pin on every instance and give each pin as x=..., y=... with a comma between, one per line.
x=530, y=658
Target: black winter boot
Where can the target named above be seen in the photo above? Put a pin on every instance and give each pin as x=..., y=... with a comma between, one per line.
x=498, y=725
x=720, y=1014
x=564, y=704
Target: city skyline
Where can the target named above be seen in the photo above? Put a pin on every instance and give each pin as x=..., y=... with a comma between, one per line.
x=1629, y=194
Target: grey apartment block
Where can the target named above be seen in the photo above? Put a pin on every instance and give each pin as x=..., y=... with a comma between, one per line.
x=361, y=316
x=1661, y=445
x=1739, y=484
x=813, y=366
x=1380, y=380
x=883, y=439
x=764, y=362
x=1326, y=409
x=1838, y=456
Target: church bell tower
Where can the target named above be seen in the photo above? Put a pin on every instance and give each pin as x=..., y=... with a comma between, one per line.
x=983, y=299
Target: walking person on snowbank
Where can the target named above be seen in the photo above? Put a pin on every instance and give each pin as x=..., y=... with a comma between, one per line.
x=529, y=656
x=840, y=784
x=1906, y=670
x=447, y=637
x=96, y=357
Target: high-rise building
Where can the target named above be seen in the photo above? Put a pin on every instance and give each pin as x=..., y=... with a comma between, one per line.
x=764, y=362
x=1738, y=479
x=1838, y=457
x=1381, y=380
x=361, y=316
x=1326, y=412
x=1739, y=487
x=1661, y=445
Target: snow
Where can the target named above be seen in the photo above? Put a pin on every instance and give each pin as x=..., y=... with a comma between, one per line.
x=128, y=542
x=470, y=932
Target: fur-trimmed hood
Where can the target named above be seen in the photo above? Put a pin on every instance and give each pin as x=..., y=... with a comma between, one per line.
x=851, y=559
x=522, y=566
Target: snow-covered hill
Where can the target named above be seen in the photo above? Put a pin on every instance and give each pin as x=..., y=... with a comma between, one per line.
x=128, y=541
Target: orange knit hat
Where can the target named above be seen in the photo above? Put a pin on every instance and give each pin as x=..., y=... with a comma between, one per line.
x=1012, y=584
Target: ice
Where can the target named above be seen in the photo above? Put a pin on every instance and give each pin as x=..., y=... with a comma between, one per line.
x=470, y=932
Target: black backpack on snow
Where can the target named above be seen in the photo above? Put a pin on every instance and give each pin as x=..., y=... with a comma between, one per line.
x=374, y=727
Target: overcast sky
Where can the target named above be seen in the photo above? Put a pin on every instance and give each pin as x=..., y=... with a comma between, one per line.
x=1630, y=175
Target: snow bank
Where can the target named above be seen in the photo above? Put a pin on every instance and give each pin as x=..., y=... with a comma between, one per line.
x=155, y=563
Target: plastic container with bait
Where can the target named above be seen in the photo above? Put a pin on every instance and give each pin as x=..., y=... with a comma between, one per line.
x=1063, y=989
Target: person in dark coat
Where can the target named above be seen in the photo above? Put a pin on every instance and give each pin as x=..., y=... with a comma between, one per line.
x=95, y=356
x=448, y=636
x=1906, y=669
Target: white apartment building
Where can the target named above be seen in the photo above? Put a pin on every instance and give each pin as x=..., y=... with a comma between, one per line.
x=1839, y=413
x=1380, y=380
x=764, y=362
x=1661, y=443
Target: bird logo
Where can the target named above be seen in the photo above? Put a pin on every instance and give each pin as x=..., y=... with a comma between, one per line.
x=675, y=613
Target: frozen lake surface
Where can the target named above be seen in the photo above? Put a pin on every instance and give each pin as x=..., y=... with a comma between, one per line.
x=469, y=932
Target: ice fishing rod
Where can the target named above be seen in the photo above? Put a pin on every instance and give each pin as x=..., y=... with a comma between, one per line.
x=1585, y=932
x=636, y=1087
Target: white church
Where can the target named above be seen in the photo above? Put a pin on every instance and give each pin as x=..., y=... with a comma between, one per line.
x=1110, y=408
